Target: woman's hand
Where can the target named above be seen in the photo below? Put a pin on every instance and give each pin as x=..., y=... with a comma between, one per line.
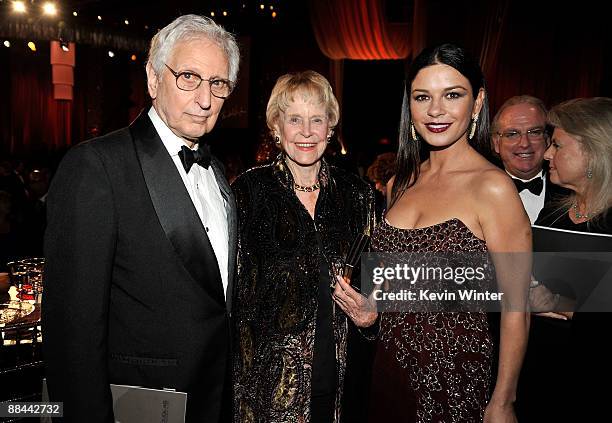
x=361, y=310
x=541, y=299
x=499, y=413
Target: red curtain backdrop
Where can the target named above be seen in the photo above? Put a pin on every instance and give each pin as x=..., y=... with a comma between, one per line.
x=357, y=29
x=108, y=94
x=35, y=121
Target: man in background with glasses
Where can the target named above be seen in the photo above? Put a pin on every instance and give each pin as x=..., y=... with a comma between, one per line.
x=141, y=243
x=520, y=138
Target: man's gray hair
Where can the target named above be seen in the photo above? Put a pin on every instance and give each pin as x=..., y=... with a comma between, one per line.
x=190, y=27
x=513, y=101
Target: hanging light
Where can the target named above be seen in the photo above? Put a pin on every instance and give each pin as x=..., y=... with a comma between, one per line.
x=19, y=7
x=49, y=9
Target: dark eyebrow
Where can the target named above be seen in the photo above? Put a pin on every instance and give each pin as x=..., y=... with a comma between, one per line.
x=454, y=87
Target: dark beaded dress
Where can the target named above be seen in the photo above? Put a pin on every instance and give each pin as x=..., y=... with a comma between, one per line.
x=289, y=338
x=431, y=367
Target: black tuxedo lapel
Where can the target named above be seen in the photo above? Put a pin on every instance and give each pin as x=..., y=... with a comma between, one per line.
x=232, y=227
x=174, y=207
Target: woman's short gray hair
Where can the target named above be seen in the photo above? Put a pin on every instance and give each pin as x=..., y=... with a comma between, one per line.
x=309, y=85
x=189, y=27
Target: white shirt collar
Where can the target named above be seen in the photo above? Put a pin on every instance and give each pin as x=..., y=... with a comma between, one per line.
x=172, y=142
x=539, y=175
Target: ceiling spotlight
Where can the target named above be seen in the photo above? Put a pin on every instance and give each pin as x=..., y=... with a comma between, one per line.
x=49, y=9
x=7, y=43
x=212, y=14
x=64, y=45
x=126, y=22
x=32, y=46
x=133, y=57
x=271, y=7
x=99, y=17
x=19, y=7
x=274, y=14
x=224, y=13
x=75, y=14
x=111, y=54
x=262, y=7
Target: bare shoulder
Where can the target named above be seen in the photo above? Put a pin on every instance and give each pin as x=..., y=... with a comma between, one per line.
x=493, y=184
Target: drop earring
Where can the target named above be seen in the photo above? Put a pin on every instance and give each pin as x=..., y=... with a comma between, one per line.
x=413, y=133
x=473, y=128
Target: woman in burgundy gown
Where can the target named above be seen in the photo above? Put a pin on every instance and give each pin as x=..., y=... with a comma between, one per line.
x=446, y=197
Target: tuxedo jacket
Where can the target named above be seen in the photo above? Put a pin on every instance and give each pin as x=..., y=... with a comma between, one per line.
x=133, y=293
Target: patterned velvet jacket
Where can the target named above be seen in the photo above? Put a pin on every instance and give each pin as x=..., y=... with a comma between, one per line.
x=278, y=277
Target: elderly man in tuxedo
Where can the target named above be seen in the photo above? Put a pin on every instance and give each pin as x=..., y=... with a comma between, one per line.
x=141, y=243
x=520, y=139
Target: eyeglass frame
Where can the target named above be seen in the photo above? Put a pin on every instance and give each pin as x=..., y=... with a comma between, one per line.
x=521, y=134
x=177, y=75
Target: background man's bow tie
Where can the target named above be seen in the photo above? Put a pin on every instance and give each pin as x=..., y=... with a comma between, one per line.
x=535, y=185
x=200, y=156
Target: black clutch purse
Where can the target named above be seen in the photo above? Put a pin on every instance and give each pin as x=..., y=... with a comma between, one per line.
x=359, y=245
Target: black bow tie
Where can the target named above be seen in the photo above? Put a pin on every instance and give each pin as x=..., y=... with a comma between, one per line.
x=200, y=156
x=535, y=185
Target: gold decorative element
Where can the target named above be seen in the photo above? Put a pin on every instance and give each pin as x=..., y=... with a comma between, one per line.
x=473, y=128
x=413, y=132
x=310, y=188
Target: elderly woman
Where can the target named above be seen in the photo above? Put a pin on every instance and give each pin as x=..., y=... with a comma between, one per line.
x=580, y=159
x=297, y=219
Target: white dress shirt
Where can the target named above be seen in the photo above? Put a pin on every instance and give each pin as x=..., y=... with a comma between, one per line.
x=533, y=203
x=205, y=195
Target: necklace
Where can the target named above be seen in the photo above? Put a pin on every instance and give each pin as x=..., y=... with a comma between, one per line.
x=310, y=188
x=579, y=215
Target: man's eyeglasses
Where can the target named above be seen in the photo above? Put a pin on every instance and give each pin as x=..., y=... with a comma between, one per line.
x=533, y=135
x=190, y=81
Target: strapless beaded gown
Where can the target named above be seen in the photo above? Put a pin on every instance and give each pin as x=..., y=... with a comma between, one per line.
x=431, y=367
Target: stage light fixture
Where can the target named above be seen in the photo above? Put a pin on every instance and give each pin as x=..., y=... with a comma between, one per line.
x=19, y=7
x=49, y=9
x=64, y=45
